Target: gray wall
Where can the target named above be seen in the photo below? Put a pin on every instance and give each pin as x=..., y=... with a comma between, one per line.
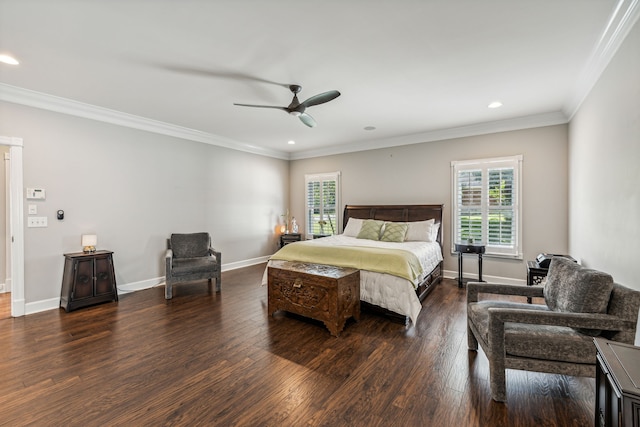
x=604, y=147
x=421, y=173
x=133, y=189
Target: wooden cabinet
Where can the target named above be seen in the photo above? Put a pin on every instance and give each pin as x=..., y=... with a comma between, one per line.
x=88, y=279
x=617, y=380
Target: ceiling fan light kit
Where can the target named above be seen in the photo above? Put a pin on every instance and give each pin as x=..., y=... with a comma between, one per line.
x=297, y=108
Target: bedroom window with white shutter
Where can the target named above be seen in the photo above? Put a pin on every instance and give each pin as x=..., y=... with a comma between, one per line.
x=486, y=204
x=323, y=202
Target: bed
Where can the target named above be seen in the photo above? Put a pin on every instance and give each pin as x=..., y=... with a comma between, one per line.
x=397, y=294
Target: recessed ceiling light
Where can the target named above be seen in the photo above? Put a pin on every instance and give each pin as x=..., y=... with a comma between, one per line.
x=495, y=104
x=292, y=142
x=369, y=128
x=8, y=60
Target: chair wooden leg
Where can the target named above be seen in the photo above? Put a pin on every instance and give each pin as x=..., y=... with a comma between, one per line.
x=218, y=280
x=168, y=290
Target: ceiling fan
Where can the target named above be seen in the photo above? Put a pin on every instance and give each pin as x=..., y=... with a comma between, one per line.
x=297, y=108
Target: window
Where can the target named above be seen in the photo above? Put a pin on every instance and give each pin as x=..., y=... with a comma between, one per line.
x=323, y=201
x=486, y=204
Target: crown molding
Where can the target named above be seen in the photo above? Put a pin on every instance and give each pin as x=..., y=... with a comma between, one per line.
x=57, y=104
x=518, y=123
x=18, y=95
x=623, y=18
x=44, y=101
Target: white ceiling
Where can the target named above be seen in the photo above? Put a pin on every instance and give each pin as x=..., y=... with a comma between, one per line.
x=416, y=70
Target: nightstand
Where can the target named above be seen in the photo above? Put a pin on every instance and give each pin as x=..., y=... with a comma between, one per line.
x=617, y=379
x=287, y=238
x=470, y=248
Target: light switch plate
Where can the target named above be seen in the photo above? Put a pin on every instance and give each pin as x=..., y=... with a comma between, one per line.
x=33, y=209
x=36, y=221
x=36, y=193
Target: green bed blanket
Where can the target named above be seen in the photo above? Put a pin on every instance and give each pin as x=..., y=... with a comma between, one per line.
x=397, y=262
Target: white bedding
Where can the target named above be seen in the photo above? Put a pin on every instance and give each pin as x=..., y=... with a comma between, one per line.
x=384, y=290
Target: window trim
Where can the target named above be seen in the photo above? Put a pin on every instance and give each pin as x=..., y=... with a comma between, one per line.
x=326, y=176
x=484, y=165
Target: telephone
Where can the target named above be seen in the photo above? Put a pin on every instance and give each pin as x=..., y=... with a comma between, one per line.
x=544, y=260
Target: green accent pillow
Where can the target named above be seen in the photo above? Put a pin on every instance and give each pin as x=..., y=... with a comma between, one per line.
x=370, y=229
x=394, y=231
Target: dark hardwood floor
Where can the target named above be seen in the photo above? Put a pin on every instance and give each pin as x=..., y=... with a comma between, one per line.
x=218, y=359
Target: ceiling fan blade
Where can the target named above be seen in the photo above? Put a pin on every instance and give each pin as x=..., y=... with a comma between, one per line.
x=263, y=106
x=232, y=75
x=321, y=98
x=307, y=120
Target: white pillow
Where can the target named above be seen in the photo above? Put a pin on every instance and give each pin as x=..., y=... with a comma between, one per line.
x=420, y=231
x=353, y=227
x=434, y=232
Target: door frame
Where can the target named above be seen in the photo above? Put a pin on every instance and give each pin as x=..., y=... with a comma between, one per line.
x=16, y=224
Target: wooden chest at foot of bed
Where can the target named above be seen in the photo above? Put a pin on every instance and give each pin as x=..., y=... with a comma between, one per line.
x=322, y=292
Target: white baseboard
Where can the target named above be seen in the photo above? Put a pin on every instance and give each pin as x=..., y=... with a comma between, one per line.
x=3, y=288
x=487, y=278
x=54, y=303
x=138, y=286
x=17, y=307
x=42, y=305
x=245, y=263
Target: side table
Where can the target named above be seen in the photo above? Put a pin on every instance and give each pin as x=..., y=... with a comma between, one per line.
x=287, y=238
x=88, y=278
x=470, y=248
x=617, y=378
x=535, y=275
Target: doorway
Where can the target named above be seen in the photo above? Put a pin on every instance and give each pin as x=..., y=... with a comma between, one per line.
x=14, y=268
x=5, y=246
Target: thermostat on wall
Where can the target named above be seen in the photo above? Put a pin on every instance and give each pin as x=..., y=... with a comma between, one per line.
x=35, y=193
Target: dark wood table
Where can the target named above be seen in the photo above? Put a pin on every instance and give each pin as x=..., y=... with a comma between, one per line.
x=287, y=238
x=617, y=384
x=469, y=248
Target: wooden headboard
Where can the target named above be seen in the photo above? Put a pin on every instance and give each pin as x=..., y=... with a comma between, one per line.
x=396, y=213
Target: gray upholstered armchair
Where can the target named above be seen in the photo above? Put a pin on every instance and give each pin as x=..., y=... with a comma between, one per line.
x=190, y=257
x=555, y=337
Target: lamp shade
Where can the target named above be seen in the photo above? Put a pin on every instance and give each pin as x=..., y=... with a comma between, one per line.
x=89, y=242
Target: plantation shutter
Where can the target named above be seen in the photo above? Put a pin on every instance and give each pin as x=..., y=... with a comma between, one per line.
x=323, y=202
x=486, y=204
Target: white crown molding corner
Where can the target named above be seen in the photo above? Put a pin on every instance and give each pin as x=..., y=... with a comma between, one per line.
x=623, y=17
x=22, y=96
